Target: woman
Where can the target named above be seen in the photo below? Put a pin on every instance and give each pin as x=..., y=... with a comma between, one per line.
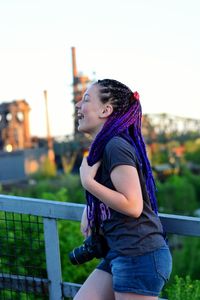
x=120, y=192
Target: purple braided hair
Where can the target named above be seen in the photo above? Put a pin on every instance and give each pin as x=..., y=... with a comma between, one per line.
x=126, y=119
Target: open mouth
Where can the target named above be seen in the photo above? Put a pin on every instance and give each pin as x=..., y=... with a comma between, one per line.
x=80, y=116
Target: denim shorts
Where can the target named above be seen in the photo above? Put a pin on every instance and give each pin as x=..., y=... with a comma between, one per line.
x=143, y=274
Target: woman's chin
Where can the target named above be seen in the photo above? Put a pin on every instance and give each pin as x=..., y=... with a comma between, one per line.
x=82, y=129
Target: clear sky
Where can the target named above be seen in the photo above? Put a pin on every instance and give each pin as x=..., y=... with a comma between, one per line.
x=151, y=45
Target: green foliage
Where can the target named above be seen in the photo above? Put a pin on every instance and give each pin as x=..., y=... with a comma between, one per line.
x=61, y=188
x=76, y=193
x=193, y=151
x=194, y=180
x=161, y=156
x=9, y=294
x=184, y=288
x=60, y=195
x=193, y=157
x=192, y=146
x=186, y=259
x=177, y=195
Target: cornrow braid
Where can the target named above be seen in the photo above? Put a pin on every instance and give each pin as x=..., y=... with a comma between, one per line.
x=116, y=92
x=125, y=119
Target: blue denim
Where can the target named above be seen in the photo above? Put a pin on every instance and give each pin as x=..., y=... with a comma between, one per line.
x=143, y=274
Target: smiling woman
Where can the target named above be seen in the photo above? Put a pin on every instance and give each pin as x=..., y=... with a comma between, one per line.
x=120, y=193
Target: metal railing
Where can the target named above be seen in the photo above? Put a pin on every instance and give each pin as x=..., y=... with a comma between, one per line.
x=38, y=219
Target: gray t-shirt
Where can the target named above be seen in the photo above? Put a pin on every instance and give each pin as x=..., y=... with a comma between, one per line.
x=128, y=235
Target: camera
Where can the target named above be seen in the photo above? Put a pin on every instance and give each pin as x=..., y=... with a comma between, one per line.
x=95, y=246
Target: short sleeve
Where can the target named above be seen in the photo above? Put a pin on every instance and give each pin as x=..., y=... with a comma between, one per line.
x=118, y=151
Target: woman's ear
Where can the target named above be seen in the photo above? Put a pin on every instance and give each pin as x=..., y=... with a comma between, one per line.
x=106, y=111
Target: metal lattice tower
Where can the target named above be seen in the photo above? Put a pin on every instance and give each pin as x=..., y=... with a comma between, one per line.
x=167, y=127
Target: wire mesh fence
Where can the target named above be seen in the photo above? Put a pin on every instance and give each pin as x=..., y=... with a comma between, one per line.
x=22, y=257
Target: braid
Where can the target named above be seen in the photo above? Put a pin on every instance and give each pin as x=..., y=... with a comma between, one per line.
x=116, y=92
x=126, y=118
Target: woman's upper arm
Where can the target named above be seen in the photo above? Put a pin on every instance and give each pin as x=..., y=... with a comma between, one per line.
x=126, y=181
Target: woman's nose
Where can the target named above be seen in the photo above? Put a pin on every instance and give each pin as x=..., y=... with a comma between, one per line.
x=78, y=104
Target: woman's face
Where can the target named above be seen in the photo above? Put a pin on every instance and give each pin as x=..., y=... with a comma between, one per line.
x=91, y=111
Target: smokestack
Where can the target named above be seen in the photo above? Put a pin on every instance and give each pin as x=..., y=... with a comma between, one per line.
x=49, y=139
x=74, y=68
x=47, y=118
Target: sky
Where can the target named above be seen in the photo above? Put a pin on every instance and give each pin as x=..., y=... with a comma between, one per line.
x=152, y=46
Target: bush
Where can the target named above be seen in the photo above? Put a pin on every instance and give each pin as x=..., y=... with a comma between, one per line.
x=184, y=289
x=61, y=188
x=186, y=259
x=177, y=195
x=194, y=180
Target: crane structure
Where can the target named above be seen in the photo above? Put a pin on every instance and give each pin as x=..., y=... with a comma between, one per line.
x=166, y=127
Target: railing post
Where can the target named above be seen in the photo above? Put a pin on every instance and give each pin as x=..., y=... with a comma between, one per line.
x=53, y=258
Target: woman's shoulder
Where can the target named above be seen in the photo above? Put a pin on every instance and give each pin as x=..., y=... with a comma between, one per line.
x=118, y=142
x=120, y=147
x=119, y=151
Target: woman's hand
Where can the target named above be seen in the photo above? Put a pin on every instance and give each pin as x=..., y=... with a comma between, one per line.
x=87, y=173
x=86, y=231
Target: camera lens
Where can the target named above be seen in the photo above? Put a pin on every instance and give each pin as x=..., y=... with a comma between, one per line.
x=72, y=258
x=93, y=246
x=82, y=254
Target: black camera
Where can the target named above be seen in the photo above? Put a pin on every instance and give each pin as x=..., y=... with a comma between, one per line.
x=94, y=246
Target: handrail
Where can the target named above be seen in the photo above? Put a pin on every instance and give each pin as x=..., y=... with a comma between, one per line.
x=177, y=224
x=40, y=207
